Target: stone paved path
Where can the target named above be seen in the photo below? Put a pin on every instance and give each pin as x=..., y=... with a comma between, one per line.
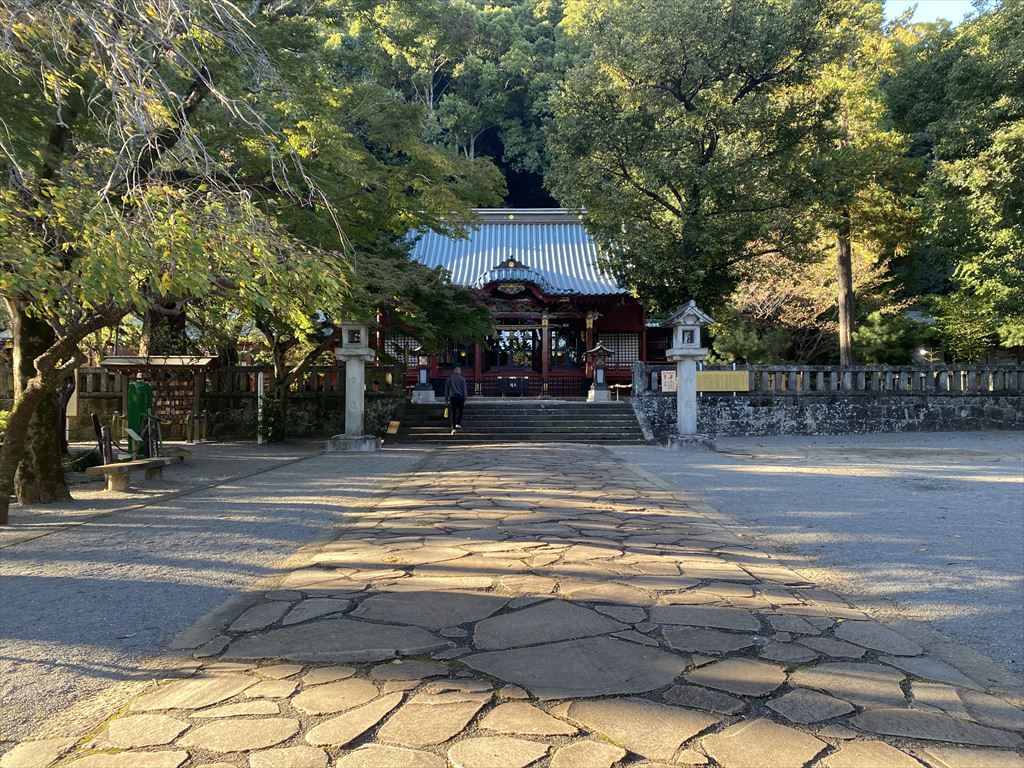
x=544, y=606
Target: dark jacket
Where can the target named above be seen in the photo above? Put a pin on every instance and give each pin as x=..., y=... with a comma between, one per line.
x=456, y=387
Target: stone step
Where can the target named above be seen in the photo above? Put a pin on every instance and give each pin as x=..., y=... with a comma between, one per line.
x=526, y=438
x=521, y=422
x=499, y=421
x=511, y=431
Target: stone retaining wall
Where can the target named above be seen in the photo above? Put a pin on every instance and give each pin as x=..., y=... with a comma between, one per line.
x=846, y=413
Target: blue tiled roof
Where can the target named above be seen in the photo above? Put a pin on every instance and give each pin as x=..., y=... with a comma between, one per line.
x=551, y=247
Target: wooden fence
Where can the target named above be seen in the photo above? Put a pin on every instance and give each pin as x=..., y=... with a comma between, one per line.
x=315, y=381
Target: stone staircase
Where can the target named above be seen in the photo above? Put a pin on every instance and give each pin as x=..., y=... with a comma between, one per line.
x=515, y=420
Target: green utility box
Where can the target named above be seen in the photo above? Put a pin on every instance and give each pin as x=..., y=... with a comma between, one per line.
x=140, y=407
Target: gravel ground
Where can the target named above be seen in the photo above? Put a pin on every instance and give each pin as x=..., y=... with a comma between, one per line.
x=210, y=463
x=86, y=607
x=921, y=526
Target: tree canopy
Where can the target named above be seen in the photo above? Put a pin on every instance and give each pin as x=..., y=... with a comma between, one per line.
x=960, y=92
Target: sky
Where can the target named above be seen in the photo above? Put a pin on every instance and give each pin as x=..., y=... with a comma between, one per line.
x=930, y=10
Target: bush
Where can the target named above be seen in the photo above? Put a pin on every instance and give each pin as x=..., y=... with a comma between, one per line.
x=967, y=326
x=736, y=340
x=890, y=339
x=3, y=424
x=275, y=419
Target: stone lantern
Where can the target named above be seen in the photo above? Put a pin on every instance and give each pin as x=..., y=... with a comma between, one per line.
x=423, y=392
x=685, y=352
x=355, y=352
x=598, y=357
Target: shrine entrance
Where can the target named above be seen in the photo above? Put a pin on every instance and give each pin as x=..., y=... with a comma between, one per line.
x=516, y=347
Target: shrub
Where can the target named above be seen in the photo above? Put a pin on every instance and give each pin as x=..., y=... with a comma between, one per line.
x=890, y=339
x=737, y=340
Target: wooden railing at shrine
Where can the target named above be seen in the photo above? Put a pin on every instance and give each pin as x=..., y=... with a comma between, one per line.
x=799, y=380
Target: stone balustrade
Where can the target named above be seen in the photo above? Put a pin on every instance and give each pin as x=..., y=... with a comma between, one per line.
x=797, y=380
x=815, y=399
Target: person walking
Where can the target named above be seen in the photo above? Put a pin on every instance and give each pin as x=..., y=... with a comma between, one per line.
x=455, y=394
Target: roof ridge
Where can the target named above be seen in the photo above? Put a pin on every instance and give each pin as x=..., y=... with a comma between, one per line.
x=529, y=215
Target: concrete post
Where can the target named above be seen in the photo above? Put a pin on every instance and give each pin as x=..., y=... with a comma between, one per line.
x=685, y=352
x=355, y=396
x=423, y=392
x=686, y=396
x=355, y=353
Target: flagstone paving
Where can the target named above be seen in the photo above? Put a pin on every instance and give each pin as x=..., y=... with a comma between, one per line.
x=548, y=607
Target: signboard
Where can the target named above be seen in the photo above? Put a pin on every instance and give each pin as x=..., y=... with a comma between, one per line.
x=668, y=381
x=723, y=381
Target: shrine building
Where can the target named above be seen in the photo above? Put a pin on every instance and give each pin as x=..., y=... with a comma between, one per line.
x=538, y=271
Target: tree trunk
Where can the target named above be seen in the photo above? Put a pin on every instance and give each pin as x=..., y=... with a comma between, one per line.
x=228, y=353
x=163, y=333
x=19, y=429
x=51, y=367
x=845, y=265
x=39, y=475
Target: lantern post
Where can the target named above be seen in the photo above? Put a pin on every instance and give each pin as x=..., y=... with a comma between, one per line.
x=598, y=357
x=355, y=352
x=685, y=352
x=423, y=392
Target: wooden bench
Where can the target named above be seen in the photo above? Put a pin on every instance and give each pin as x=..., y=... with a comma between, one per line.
x=176, y=453
x=117, y=473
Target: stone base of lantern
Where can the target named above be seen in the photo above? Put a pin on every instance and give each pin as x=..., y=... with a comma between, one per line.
x=691, y=443
x=599, y=395
x=353, y=444
x=424, y=396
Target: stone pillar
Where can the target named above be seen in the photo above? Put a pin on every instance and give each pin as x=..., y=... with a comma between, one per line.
x=423, y=392
x=685, y=352
x=589, y=341
x=355, y=396
x=355, y=353
x=686, y=396
x=598, y=357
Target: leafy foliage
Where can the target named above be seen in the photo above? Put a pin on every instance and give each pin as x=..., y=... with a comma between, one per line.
x=891, y=339
x=966, y=324
x=961, y=92
x=692, y=152
x=737, y=340
x=781, y=300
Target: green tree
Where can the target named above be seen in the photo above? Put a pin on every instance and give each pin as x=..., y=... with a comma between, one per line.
x=88, y=230
x=863, y=179
x=692, y=151
x=891, y=339
x=960, y=92
x=478, y=68
x=221, y=172
x=367, y=146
